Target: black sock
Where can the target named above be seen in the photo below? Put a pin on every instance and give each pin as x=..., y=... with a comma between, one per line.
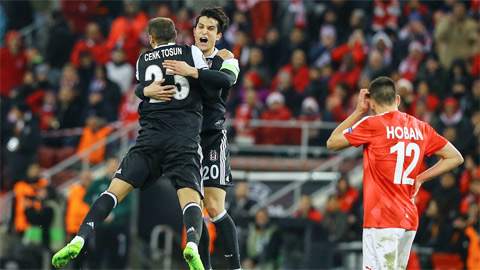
x=227, y=235
x=99, y=211
x=204, y=247
x=192, y=220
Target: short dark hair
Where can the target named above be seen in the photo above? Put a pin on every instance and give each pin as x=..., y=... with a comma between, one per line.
x=216, y=13
x=161, y=29
x=382, y=91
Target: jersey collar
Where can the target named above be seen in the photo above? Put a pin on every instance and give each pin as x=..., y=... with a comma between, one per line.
x=215, y=51
x=162, y=45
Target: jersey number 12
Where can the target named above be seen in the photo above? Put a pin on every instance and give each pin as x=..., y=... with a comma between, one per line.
x=181, y=83
x=401, y=153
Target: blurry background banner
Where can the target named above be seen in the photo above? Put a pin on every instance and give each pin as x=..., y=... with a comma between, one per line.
x=68, y=111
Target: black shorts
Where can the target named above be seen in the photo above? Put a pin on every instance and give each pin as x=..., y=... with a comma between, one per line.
x=155, y=154
x=216, y=170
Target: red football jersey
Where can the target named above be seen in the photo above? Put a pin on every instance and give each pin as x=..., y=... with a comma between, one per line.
x=395, y=144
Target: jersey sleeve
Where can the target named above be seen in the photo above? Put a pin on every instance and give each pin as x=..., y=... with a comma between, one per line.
x=198, y=58
x=360, y=133
x=232, y=65
x=136, y=69
x=435, y=141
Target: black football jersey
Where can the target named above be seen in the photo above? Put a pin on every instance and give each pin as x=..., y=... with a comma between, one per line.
x=214, y=101
x=182, y=115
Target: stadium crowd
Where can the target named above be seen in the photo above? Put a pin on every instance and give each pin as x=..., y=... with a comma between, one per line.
x=303, y=60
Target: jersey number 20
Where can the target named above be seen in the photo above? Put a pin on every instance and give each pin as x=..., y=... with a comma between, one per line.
x=181, y=83
x=401, y=153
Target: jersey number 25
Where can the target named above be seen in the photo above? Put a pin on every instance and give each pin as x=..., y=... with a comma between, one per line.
x=181, y=83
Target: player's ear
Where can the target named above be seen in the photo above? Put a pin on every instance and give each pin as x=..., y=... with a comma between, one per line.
x=398, y=100
x=176, y=34
x=219, y=36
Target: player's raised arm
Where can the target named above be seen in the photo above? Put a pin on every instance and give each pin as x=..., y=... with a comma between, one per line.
x=337, y=140
x=450, y=158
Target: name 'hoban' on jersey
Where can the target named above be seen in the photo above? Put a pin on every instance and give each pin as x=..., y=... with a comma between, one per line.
x=165, y=53
x=404, y=132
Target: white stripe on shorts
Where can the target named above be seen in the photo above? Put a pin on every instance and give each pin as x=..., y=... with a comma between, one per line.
x=223, y=157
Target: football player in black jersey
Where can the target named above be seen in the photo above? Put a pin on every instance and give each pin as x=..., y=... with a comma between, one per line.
x=168, y=141
x=216, y=171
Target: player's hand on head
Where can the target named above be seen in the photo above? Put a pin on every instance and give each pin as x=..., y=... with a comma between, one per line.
x=363, y=101
x=179, y=68
x=160, y=92
x=225, y=54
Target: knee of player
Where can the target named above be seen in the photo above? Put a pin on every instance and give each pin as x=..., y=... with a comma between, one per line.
x=214, y=210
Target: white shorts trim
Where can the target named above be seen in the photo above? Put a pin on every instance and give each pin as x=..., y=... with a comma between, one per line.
x=387, y=248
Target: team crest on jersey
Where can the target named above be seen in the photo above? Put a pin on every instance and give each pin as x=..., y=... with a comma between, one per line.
x=213, y=155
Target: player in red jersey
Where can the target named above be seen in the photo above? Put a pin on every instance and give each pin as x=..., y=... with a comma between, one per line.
x=395, y=144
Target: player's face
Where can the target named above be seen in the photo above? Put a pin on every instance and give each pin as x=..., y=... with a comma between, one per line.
x=206, y=34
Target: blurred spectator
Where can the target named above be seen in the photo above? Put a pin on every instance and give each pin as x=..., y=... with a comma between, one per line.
x=240, y=206
x=69, y=109
x=125, y=32
x=94, y=44
x=79, y=13
x=250, y=109
x=310, y=113
x=239, y=23
x=347, y=73
x=276, y=110
x=128, y=109
x=44, y=213
x=381, y=42
x=452, y=116
x=346, y=194
x=414, y=8
x=13, y=64
x=293, y=14
x=306, y=209
x=318, y=87
x=298, y=70
x=112, y=237
x=423, y=95
x=473, y=98
x=409, y=66
x=184, y=26
x=357, y=20
x=355, y=47
x=25, y=89
x=296, y=41
x=253, y=82
x=262, y=248
x=240, y=48
x=94, y=132
x=260, y=17
x=376, y=66
x=434, y=229
x=405, y=91
x=23, y=129
x=335, y=220
x=473, y=196
x=320, y=53
x=24, y=191
x=435, y=75
x=104, y=96
x=385, y=14
x=293, y=100
x=257, y=65
x=58, y=53
x=458, y=73
x=337, y=108
x=76, y=210
x=119, y=71
x=415, y=31
x=470, y=173
x=272, y=48
x=447, y=195
x=456, y=35
x=47, y=112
